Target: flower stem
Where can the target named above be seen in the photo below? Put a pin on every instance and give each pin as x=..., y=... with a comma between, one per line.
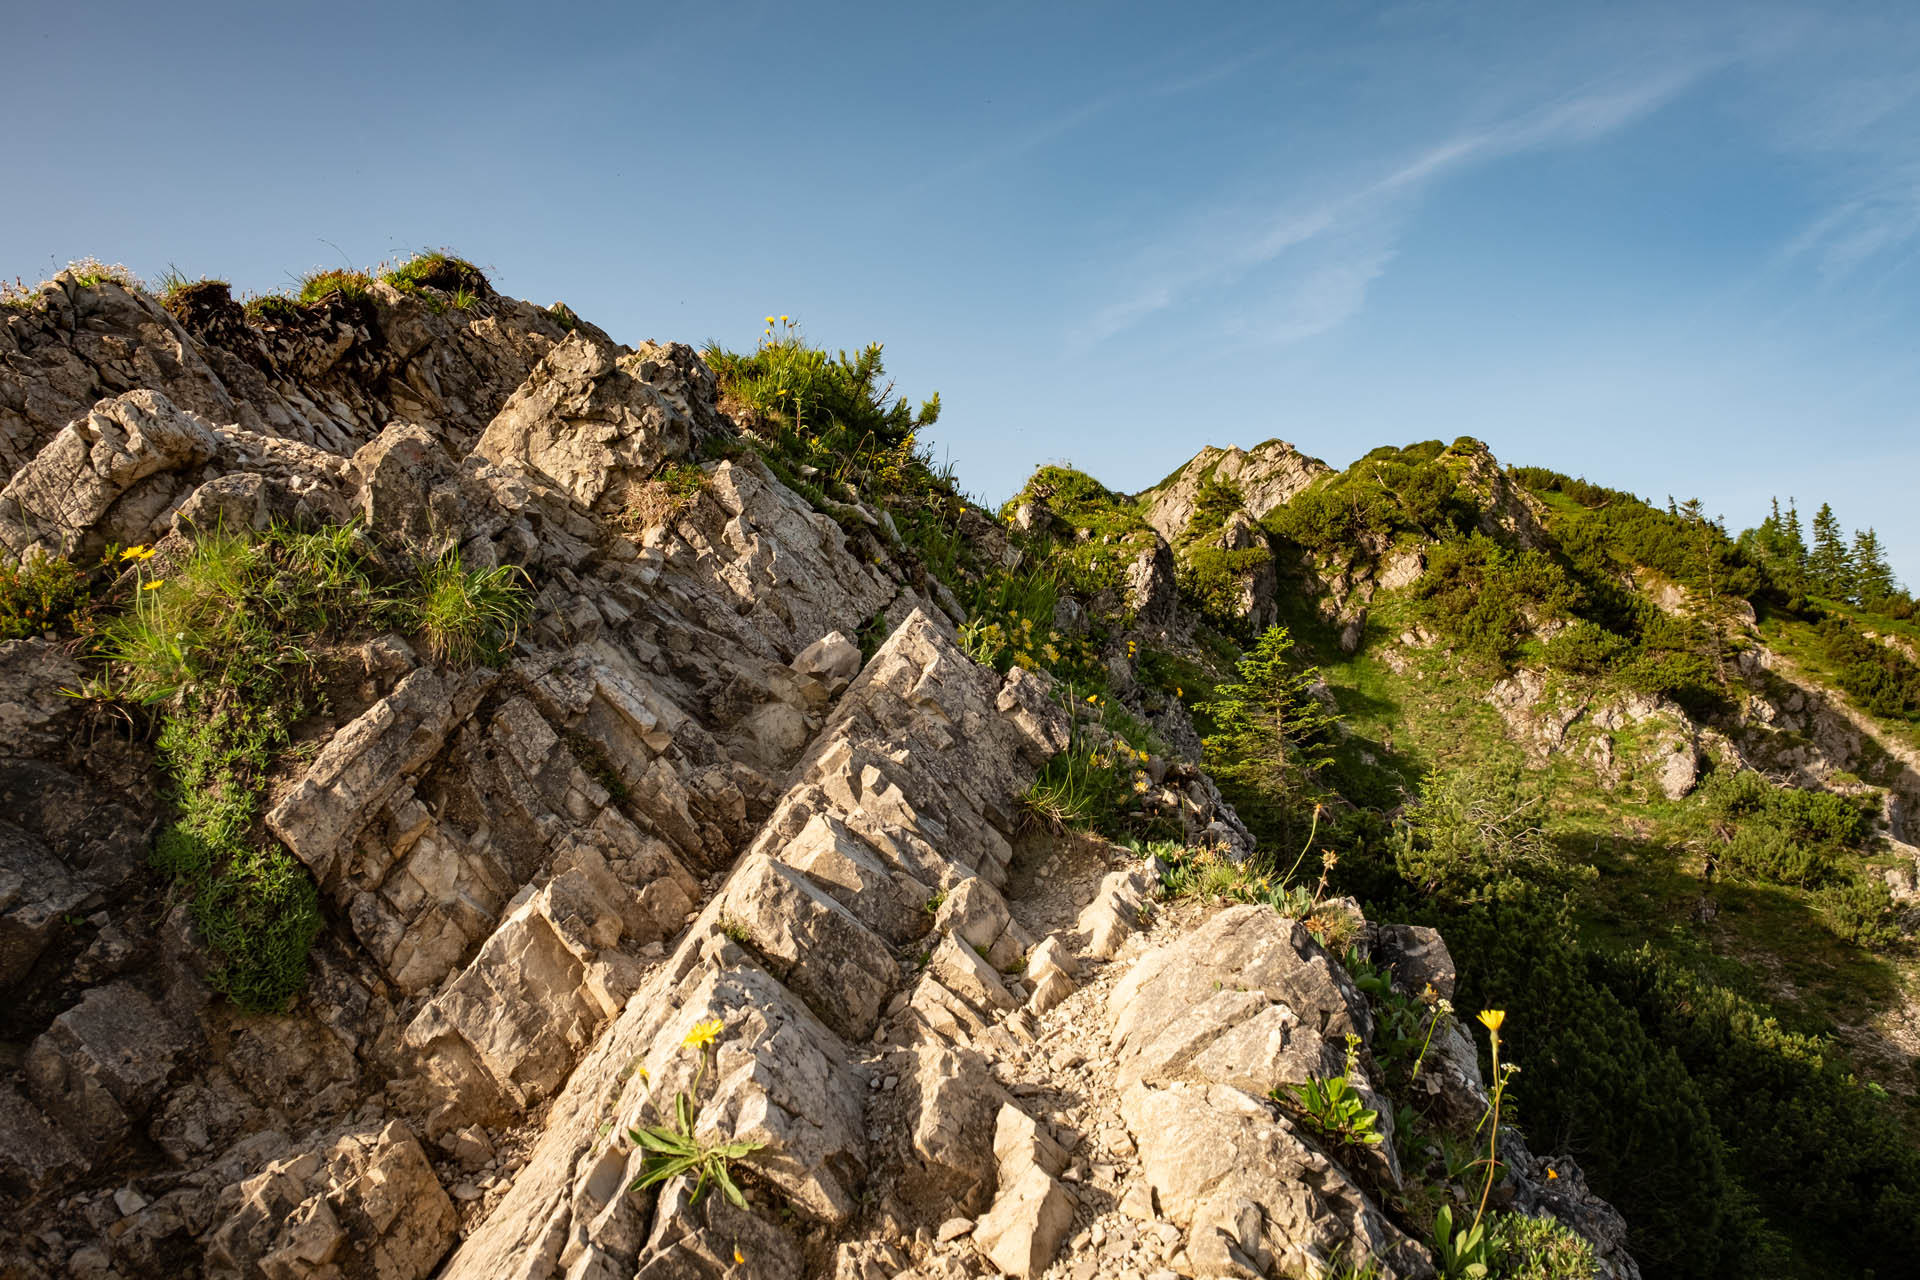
x=1493, y=1136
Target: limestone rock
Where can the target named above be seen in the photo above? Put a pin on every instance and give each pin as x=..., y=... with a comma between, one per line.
x=54, y=503
x=1268, y=475
x=103, y=1063
x=366, y=762
x=833, y=657
x=1247, y=999
x=1118, y=908
x=1033, y=1209
x=1252, y=1196
x=584, y=421
x=954, y=1104
x=36, y=891
x=360, y=1205
x=34, y=1152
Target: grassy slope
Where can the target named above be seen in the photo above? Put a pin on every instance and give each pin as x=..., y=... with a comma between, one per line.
x=1765, y=941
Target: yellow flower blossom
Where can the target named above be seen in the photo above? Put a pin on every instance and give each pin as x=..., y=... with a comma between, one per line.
x=1551, y=1173
x=738, y=1256
x=1492, y=1018
x=703, y=1034
x=155, y=585
x=140, y=553
x=769, y=319
x=1093, y=699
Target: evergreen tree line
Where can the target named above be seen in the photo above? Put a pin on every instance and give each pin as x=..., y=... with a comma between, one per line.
x=1835, y=567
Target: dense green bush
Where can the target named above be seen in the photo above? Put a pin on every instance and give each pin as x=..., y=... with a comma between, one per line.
x=786, y=384
x=1880, y=678
x=1486, y=598
x=1389, y=491
x=1782, y=835
x=1825, y=1156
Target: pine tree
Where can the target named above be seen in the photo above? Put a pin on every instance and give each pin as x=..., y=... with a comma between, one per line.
x=1830, y=566
x=1873, y=576
x=1778, y=545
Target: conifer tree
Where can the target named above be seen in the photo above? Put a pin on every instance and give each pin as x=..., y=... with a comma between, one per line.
x=1830, y=565
x=1778, y=544
x=1872, y=575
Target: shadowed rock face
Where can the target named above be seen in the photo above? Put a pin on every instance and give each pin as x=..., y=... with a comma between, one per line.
x=688, y=798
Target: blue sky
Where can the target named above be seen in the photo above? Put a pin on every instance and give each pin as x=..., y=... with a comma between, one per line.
x=1669, y=247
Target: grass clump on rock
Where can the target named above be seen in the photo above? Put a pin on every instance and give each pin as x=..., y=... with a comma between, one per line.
x=224, y=639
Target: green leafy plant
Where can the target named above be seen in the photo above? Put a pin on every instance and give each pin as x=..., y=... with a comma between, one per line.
x=1527, y=1248
x=223, y=639
x=1492, y=1020
x=1334, y=1107
x=1460, y=1255
x=438, y=269
x=674, y=1148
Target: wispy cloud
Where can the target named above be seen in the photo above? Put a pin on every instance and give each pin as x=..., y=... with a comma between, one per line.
x=1323, y=255
x=1860, y=230
x=1075, y=118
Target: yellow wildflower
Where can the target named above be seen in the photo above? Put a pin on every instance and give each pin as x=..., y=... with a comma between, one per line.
x=783, y=319
x=1492, y=1018
x=1093, y=699
x=769, y=319
x=139, y=553
x=155, y=585
x=738, y=1256
x=1551, y=1173
x=1178, y=692
x=703, y=1034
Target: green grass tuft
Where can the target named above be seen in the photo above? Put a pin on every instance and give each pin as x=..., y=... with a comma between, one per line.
x=469, y=616
x=336, y=282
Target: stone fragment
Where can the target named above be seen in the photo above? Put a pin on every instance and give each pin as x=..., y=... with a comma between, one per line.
x=360, y=1204
x=35, y=1154
x=1032, y=1211
x=585, y=422
x=103, y=1063
x=834, y=658
x=36, y=891
x=1117, y=911
x=367, y=761
x=954, y=1104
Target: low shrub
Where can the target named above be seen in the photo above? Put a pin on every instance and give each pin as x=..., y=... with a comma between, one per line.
x=45, y=595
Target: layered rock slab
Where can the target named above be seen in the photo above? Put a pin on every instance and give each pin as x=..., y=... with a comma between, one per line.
x=925, y=753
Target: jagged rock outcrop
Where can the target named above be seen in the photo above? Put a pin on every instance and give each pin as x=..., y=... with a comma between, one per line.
x=687, y=799
x=1267, y=475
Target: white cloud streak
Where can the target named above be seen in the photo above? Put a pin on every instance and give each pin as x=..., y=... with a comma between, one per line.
x=1329, y=252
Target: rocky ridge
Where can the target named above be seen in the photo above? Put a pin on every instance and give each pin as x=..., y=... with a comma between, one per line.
x=963, y=1045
